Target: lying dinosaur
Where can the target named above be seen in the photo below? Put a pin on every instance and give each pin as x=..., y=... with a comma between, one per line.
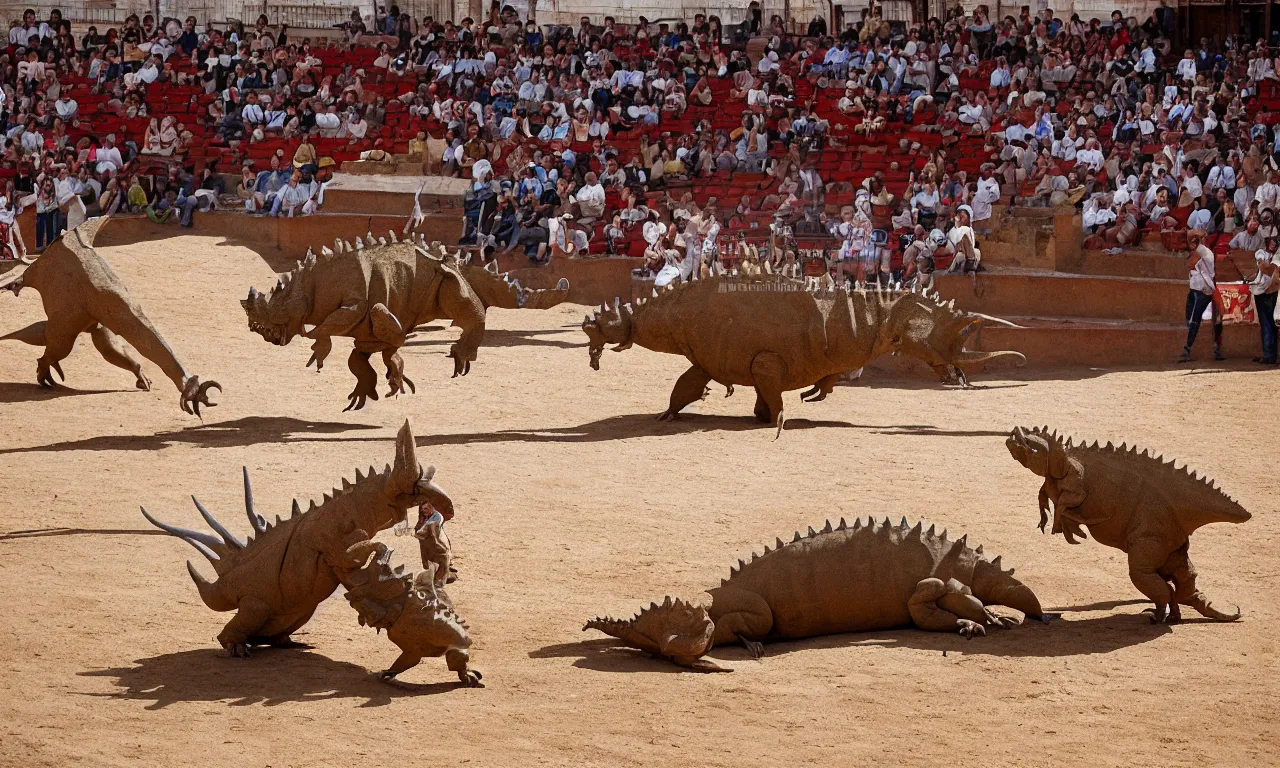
x=1136, y=502
x=275, y=582
x=374, y=293
x=81, y=293
x=778, y=334
x=418, y=616
x=844, y=578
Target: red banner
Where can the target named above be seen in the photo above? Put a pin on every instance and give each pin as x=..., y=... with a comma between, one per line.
x=1236, y=304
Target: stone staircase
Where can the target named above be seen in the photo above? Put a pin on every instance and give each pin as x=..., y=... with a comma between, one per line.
x=1079, y=307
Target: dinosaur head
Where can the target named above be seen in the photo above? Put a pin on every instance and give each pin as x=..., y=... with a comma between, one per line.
x=505, y=292
x=281, y=314
x=409, y=486
x=677, y=630
x=924, y=328
x=1030, y=447
x=994, y=585
x=611, y=325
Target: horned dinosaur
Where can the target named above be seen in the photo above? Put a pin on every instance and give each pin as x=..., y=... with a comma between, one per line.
x=374, y=293
x=418, y=615
x=845, y=578
x=81, y=293
x=275, y=582
x=505, y=292
x=778, y=334
x=1136, y=502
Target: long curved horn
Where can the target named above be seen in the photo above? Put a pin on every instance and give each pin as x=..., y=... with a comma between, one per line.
x=980, y=357
x=201, y=541
x=997, y=320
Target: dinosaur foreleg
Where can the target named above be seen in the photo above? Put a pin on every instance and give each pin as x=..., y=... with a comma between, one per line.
x=251, y=616
x=340, y=321
x=689, y=387
x=366, y=380
x=396, y=379
x=928, y=612
x=114, y=351
x=820, y=390
x=121, y=316
x=459, y=303
x=1182, y=573
x=741, y=617
x=1146, y=557
x=1044, y=507
x=320, y=349
x=768, y=371
x=405, y=661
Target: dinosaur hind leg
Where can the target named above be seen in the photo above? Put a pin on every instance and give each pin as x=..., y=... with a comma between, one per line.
x=114, y=351
x=938, y=606
x=252, y=616
x=1182, y=573
x=741, y=617
x=366, y=380
x=767, y=373
x=1146, y=559
x=396, y=379
x=691, y=386
x=59, y=339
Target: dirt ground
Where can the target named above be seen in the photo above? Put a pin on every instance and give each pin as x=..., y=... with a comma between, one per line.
x=573, y=501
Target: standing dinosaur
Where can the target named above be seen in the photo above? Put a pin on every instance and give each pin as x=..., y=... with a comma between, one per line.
x=844, y=578
x=777, y=334
x=418, y=616
x=1136, y=502
x=81, y=293
x=275, y=582
x=374, y=293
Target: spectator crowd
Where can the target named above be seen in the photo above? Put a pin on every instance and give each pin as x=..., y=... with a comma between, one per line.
x=694, y=145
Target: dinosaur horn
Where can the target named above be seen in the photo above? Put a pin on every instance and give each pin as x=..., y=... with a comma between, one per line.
x=978, y=357
x=201, y=541
x=258, y=523
x=227, y=536
x=997, y=320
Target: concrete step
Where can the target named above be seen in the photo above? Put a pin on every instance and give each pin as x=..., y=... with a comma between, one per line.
x=1031, y=293
x=1135, y=263
x=1053, y=342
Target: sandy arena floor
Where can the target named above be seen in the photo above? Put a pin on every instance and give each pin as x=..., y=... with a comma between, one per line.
x=574, y=502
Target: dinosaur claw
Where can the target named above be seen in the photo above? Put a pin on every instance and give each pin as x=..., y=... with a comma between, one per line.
x=238, y=650
x=471, y=678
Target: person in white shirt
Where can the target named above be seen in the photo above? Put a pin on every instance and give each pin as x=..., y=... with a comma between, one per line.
x=1268, y=194
x=1200, y=218
x=21, y=35
x=1146, y=60
x=1200, y=260
x=66, y=107
x=968, y=257
x=251, y=114
x=1264, y=287
x=590, y=197
x=1186, y=69
x=1190, y=181
x=988, y=193
x=1221, y=176
x=109, y=158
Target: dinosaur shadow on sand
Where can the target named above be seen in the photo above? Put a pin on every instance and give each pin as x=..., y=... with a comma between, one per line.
x=251, y=430
x=23, y=392
x=498, y=338
x=273, y=676
x=647, y=425
x=1060, y=638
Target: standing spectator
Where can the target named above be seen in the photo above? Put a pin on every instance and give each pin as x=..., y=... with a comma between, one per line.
x=1264, y=287
x=1200, y=260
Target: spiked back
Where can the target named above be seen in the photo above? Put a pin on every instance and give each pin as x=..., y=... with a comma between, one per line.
x=1181, y=482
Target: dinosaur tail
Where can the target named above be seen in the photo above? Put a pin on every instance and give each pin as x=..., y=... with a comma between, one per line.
x=208, y=591
x=1205, y=608
x=33, y=334
x=610, y=626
